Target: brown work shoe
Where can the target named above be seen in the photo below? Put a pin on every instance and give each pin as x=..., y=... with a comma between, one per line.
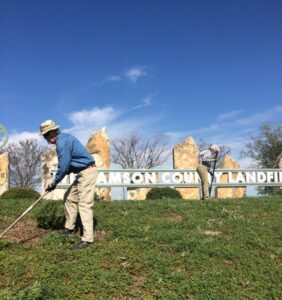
x=81, y=245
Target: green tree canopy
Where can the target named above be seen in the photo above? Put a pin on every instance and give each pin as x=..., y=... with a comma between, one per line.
x=266, y=146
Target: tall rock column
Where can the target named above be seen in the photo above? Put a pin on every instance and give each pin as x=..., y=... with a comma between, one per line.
x=4, y=172
x=49, y=162
x=278, y=165
x=186, y=156
x=233, y=192
x=98, y=146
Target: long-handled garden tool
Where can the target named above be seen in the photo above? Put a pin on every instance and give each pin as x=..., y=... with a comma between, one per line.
x=23, y=214
x=215, y=161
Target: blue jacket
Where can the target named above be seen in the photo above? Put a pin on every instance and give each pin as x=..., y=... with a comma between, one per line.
x=72, y=156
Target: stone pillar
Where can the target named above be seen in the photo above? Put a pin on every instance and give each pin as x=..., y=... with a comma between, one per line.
x=186, y=156
x=233, y=192
x=278, y=165
x=49, y=162
x=98, y=146
x=4, y=172
x=137, y=194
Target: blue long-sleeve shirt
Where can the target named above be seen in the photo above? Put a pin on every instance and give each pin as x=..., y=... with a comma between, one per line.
x=72, y=156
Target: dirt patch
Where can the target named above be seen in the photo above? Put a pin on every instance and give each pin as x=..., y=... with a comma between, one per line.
x=174, y=217
x=100, y=235
x=138, y=281
x=25, y=232
x=210, y=232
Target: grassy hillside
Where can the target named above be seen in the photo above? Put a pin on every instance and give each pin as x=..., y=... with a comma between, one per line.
x=169, y=249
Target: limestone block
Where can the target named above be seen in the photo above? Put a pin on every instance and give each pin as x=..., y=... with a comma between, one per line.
x=49, y=162
x=4, y=172
x=98, y=146
x=186, y=156
x=278, y=165
x=137, y=194
x=233, y=192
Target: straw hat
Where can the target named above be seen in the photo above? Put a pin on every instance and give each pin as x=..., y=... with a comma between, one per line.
x=48, y=126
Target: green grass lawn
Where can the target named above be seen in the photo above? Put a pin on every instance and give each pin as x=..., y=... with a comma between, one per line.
x=168, y=249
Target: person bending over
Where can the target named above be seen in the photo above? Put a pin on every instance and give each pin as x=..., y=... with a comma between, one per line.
x=207, y=165
x=79, y=198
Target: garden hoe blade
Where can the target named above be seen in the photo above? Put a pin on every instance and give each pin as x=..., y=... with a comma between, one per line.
x=22, y=215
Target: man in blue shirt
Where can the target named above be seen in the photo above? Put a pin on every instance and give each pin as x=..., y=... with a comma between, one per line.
x=79, y=198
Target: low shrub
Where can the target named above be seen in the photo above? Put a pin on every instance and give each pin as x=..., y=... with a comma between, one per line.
x=20, y=193
x=163, y=193
x=50, y=214
x=4, y=244
x=277, y=193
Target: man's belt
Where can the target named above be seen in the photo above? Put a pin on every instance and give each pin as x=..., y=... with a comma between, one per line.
x=92, y=165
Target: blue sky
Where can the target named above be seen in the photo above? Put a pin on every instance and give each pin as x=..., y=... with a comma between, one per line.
x=209, y=69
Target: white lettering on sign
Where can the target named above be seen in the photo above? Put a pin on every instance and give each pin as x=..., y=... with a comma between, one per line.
x=165, y=177
x=115, y=178
x=230, y=177
x=217, y=176
x=240, y=178
x=250, y=177
x=261, y=177
x=179, y=177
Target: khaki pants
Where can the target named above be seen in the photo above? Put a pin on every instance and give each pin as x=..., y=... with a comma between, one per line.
x=203, y=173
x=79, y=198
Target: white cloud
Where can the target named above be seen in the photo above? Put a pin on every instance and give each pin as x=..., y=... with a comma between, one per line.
x=114, y=78
x=229, y=115
x=96, y=116
x=264, y=116
x=147, y=101
x=132, y=74
x=118, y=123
x=136, y=73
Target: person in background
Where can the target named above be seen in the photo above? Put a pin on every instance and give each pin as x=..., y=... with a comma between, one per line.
x=207, y=165
x=79, y=198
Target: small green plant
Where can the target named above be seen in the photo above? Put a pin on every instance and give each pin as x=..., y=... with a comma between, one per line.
x=163, y=193
x=20, y=193
x=50, y=215
x=35, y=291
x=4, y=244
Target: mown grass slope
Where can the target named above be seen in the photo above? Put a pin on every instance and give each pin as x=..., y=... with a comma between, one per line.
x=169, y=249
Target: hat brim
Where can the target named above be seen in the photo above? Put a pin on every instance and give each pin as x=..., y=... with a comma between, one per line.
x=49, y=129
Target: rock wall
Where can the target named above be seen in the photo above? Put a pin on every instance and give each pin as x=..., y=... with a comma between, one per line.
x=233, y=192
x=4, y=172
x=186, y=156
x=98, y=146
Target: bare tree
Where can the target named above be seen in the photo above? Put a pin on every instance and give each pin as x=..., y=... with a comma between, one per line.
x=224, y=150
x=133, y=151
x=25, y=162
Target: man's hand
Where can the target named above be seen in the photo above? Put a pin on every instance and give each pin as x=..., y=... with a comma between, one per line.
x=51, y=187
